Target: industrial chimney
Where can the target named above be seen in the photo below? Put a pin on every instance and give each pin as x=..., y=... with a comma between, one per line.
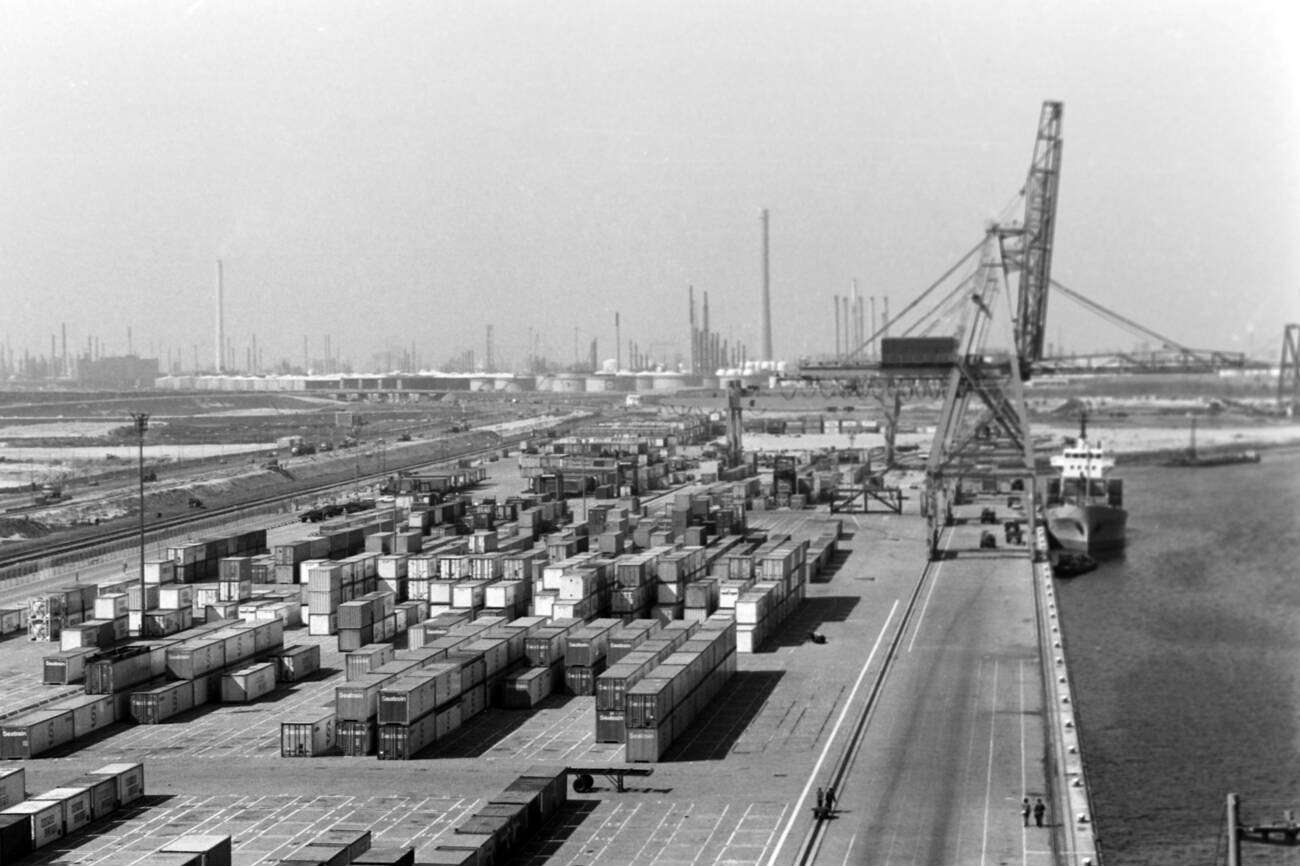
x=220, y=357
x=767, y=297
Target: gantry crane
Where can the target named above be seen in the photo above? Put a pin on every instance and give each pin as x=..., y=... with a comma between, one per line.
x=983, y=429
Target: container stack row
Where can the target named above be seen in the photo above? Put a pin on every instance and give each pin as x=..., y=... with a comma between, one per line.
x=503, y=825
x=629, y=666
x=398, y=702
x=762, y=605
x=200, y=559
x=663, y=704
x=110, y=678
x=32, y=823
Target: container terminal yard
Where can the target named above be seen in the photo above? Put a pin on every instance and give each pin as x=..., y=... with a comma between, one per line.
x=582, y=619
x=786, y=717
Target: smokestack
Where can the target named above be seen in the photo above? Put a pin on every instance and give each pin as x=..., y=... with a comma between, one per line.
x=837, y=326
x=618, y=344
x=872, y=351
x=695, y=339
x=844, y=308
x=853, y=314
x=767, y=296
x=221, y=326
x=64, y=362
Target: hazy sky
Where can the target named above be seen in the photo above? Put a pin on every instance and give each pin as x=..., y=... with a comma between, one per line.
x=398, y=172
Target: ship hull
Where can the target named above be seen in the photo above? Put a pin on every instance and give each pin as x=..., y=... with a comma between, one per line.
x=1087, y=528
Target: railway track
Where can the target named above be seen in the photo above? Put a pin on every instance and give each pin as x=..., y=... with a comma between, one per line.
x=49, y=557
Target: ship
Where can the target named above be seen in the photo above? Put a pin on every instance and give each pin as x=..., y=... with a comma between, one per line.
x=1084, y=509
x=1223, y=458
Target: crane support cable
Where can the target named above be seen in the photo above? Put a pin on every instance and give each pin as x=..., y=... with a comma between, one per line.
x=934, y=310
x=1123, y=320
x=885, y=327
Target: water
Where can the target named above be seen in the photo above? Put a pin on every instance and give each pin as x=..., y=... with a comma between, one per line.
x=1186, y=659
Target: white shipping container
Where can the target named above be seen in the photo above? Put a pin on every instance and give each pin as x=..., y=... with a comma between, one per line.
x=288, y=613
x=248, y=684
x=90, y=713
x=102, y=791
x=544, y=603
x=75, y=804
x=576, y=585
x=322, y=623
x=111, y=606
x=47, y=820
x=469, y=594
x=162, y=571
x=175, y=597
x=130, y=780
x=502, y=594
x=392, y=566
x=440, y=591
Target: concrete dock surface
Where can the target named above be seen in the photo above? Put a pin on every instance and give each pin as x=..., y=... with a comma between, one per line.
x=953, y=743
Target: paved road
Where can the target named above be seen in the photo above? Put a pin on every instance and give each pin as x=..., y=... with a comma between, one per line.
x=957, y=738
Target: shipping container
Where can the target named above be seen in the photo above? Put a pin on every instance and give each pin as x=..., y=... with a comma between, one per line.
x=74, y=804
x=356, y=739
x=111, y=605
x=248, y=683
x=309, y=736
x=13, y=786
x=31, y=734
x=295, y=663
x=463, y=849
x=130, y=780
x=528, y=688
x=67, y=666
x=407, y=698
x=151, y=706
x=196, y=658
x=102, y=791
x=46, y=821
x=402, y=742
x=354, y=838
x=210, y=850
x=15, y=836
x=387, y=857
x=358, y=700
x=317, y=855
x=90, y=713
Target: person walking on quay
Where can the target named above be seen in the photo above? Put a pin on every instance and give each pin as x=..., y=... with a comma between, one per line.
x=1039, y=810
x=830, y=800
x=821, y=799
x=1025, y=810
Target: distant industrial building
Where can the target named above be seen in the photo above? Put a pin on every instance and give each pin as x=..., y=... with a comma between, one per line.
x=125, y=372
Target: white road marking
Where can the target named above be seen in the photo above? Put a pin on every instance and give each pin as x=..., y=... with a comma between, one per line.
x=849, y=852
x=934, y=578
x=1024, y=777
x=988, y=778
x=830, y=740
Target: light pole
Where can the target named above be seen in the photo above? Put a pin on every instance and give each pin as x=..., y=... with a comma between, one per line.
x=141, y=420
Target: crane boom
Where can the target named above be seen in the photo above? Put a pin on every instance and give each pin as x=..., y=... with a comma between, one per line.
x=1035, y=247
